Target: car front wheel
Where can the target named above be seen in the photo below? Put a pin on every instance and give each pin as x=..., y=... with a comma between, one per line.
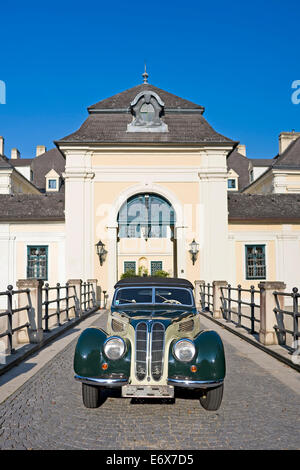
x=211, y=398
x=91, y=396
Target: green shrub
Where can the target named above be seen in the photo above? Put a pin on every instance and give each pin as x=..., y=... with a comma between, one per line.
x=161, y=273
x=129, y=273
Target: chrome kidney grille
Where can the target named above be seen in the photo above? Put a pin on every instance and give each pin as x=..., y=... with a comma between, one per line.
x=157, y=350
x=141, y=348
x=149, y=350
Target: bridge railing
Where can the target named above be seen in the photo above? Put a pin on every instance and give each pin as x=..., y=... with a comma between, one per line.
x=9, y=329
x=34, y=309
x=262, y=310
x=63, y=300
x=239, y=304
x=287, y=320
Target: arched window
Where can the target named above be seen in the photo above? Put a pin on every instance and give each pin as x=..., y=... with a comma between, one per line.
x=145, y=216
x=147, y=112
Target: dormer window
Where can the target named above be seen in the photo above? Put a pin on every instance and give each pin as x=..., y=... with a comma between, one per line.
x=52, y=181
x=232, y=180
x=147, y=110
x=52, y=184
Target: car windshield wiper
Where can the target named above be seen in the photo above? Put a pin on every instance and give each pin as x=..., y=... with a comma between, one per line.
x=169, y=301
x=126, y=300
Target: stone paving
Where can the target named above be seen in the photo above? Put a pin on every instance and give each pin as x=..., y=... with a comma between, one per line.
x=258, y=412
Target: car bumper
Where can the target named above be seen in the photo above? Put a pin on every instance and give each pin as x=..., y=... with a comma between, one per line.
x=194, y=383
x=109, y=383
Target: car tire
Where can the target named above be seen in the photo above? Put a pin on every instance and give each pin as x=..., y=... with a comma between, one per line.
x=91, y=396
x=212, y=398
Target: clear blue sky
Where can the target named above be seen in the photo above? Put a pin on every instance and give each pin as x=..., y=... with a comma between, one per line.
x=238, y=59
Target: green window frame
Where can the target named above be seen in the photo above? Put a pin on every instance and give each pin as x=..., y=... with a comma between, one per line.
x=129, y=266
x=255, y=261
x=37, y=262
x=156, y=266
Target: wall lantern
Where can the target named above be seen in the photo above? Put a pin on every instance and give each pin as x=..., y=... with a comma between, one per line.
x=101, y=251
x=194, y=250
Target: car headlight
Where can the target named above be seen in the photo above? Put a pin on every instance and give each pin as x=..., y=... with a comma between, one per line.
x=114, y=348
x=184, y=350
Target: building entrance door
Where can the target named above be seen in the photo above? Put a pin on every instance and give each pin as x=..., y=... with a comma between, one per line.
x=146, y=242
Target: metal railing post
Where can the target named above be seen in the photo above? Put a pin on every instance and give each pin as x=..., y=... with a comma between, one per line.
x=252, y=306
x=239, y=312
x=10, y=349
x=58, y=303
x=295, y=316
x=228, y=319
x=46, y=303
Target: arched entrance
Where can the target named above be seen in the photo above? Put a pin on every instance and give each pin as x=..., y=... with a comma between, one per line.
x=145, y=235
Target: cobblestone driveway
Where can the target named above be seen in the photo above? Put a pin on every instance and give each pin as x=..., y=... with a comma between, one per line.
x=258, y=412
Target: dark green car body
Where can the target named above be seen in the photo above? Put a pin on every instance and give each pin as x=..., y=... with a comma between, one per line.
x=161, y=347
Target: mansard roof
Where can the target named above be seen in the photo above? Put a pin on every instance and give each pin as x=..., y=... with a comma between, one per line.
x=122, y=100
x=108, y=120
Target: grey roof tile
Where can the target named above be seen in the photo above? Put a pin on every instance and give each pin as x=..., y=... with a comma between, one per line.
x=111, y=128
x=240, y=164
x=122, y=100
x=42, y=164
x=276, y=207
x=32, y=207
x=290, y=157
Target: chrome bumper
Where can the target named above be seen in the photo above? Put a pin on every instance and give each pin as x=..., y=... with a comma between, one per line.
x=194, y=383
x=110, y=383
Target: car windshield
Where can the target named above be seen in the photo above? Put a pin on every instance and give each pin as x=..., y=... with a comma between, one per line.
x=134, y=296
x=173, y=296
x=156, y=295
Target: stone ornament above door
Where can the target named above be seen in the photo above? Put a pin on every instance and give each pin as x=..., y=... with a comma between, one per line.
x=147, y=109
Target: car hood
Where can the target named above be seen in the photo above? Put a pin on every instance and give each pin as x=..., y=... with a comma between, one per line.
x=165, y=315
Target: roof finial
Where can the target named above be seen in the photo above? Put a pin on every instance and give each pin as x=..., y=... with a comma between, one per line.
x=145, y=75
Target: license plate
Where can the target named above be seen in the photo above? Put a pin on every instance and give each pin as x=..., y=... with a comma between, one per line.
x=148, y=391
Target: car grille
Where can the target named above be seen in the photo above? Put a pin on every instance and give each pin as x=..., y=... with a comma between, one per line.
x=149, y=350
x=141, y=347
x=186, y=326
x=117, y=326
x=157, y=350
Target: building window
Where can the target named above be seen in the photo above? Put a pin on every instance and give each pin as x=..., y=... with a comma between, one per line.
x=155, y=266
x=251, y=176
x=147, y=112
x=255, y=262
x=129, y=266
x=52, y=184
x=231, y=183
x=37, y=262
x=145, y=216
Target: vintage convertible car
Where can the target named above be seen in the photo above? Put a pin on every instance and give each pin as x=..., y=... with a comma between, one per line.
x=152, y=345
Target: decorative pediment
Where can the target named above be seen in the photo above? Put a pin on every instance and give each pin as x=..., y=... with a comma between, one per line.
x=147, y=109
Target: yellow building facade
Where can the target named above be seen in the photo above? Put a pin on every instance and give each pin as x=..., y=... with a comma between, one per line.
x=147, y=185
